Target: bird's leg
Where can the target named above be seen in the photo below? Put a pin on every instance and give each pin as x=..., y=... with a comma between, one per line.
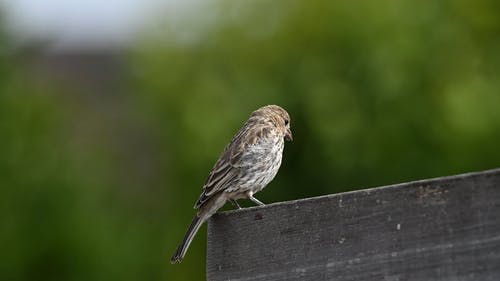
x=235, y=203
x=255, y=200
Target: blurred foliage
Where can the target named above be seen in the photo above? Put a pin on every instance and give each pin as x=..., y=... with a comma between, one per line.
x=101, y=187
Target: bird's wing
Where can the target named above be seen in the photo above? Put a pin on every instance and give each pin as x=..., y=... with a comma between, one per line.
x=226, y=170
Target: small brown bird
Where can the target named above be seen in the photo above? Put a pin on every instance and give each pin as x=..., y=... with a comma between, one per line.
x=249, y=162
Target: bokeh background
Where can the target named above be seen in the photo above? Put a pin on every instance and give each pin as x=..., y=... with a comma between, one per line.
x=113, y=112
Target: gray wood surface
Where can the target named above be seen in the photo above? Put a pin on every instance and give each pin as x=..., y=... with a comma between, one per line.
x=439, y=229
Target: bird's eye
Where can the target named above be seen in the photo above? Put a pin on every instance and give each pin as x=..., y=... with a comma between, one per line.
x=286, y=122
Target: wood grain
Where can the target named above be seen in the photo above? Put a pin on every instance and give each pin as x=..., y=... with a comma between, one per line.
x=439, y=229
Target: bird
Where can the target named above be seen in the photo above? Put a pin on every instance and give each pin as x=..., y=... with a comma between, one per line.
x=247, y=164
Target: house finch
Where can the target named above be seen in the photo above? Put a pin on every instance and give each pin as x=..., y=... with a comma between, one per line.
x=247, y=164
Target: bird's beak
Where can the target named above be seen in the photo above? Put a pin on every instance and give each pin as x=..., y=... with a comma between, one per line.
x=288, y=135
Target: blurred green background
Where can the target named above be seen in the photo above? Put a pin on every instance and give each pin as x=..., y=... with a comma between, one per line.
x=103, y=152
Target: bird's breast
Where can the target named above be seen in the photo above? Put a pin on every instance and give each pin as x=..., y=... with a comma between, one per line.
x=264, y=161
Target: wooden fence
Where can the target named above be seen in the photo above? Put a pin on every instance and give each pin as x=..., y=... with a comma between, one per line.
x=438, y=229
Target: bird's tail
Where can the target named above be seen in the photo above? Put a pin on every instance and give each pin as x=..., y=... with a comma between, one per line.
x=191, y=232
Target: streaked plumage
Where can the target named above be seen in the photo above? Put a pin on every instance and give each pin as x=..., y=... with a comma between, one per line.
x=248, y=163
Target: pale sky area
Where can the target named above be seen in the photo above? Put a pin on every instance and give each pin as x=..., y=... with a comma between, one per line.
x=73, y=23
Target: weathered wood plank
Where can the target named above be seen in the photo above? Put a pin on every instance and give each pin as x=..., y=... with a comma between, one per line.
x=439, y=229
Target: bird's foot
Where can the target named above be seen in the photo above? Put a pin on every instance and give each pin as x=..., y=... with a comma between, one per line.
x=256, y=201
x=235, y=203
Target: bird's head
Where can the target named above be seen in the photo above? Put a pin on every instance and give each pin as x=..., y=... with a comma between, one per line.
x=279, y=117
